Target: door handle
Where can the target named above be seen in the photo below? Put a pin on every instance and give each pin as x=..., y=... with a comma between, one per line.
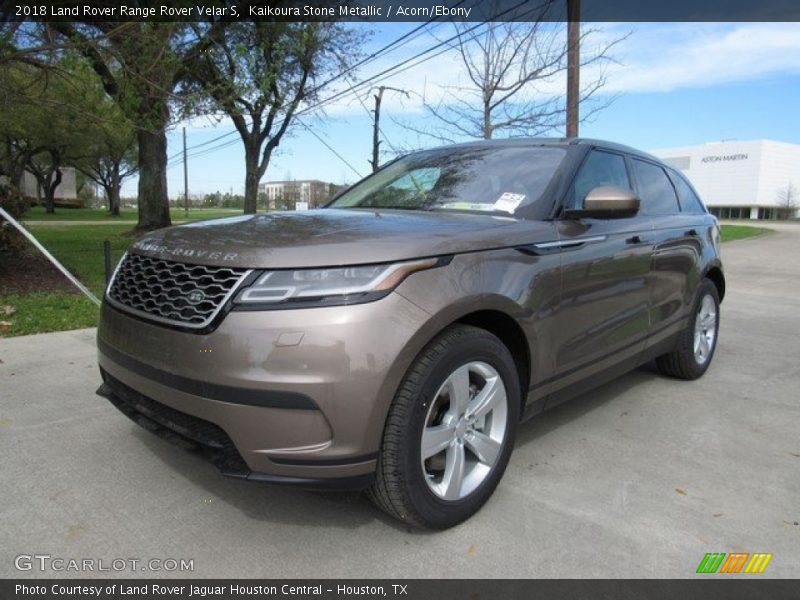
x=636, y=239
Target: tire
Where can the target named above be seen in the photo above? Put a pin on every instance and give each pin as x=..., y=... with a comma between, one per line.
x=684, y=362
x=420, y=492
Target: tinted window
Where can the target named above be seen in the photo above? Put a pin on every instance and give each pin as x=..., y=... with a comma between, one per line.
x=491, y=179
x=690, y=203
x=599, y=168
x=655, y=190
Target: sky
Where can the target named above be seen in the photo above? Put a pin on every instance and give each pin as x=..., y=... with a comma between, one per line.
x=669, y=84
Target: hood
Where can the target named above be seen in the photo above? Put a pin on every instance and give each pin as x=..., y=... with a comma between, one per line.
x=336, y=237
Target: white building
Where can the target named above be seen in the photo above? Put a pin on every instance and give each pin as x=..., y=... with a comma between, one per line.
x=740, y=180
x=66, y=192
x=311, y=191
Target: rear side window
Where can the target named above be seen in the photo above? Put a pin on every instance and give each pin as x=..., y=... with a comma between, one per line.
x=655, y=189
x=599, y=168
x=690, y=203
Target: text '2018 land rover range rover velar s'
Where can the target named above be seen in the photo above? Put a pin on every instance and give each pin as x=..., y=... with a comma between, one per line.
x=394, y=340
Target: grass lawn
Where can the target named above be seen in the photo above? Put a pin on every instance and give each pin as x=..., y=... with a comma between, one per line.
x=42, y=311
x=37, y=213
x=740, y=232
x=80, y=249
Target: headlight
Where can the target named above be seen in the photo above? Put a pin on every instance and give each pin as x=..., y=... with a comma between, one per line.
x=325, y=287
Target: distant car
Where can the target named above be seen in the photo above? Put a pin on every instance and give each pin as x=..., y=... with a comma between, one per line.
x=393, y=340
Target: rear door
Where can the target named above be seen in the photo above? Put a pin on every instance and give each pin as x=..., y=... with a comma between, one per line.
x=676, y=248
x=603, y=314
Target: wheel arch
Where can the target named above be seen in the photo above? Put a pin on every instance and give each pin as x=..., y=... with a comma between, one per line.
x=495, y=313
x=714, y=273
x=507, y=330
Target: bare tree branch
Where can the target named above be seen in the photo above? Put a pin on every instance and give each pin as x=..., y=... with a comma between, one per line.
x=508, y=66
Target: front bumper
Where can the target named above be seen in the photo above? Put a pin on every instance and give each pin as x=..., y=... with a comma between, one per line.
x=294, y=396
x=207, y=440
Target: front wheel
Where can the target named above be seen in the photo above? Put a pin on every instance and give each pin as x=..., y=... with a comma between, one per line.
x=697, y=343
x=450, y=430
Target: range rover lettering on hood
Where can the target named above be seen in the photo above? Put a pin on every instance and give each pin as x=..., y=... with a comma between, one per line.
x=149, y=247
x=334, y=237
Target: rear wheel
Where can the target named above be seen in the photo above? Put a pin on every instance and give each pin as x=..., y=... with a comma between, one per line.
x=697, y=343
x=450, y=430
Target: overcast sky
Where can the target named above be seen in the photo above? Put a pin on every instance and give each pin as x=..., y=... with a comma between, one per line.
x=673, y=84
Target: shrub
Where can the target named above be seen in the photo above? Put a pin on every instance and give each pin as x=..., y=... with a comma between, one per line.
x=14, y=204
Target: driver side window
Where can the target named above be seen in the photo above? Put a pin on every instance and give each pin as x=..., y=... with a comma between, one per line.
x=407, y=190
x=418, y=180
x=599, y=168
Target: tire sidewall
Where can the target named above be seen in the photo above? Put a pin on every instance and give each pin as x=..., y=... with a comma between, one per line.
x=435, y=511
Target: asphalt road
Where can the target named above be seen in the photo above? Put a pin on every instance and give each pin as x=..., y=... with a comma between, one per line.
x=640, y=478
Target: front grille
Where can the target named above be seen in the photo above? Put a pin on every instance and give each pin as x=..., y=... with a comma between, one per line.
x=172, y=292
x=192, y=433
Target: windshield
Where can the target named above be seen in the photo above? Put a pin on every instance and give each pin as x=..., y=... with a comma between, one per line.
x=487, y=179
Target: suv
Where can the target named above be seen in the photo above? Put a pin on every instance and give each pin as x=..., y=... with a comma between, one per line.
x=394, y=339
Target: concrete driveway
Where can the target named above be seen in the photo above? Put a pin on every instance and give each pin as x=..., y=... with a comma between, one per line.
x=640, y=478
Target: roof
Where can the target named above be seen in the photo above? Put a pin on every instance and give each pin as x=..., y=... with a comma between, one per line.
x=545, y=141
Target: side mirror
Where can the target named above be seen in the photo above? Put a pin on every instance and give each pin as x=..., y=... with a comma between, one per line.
x=607, y=202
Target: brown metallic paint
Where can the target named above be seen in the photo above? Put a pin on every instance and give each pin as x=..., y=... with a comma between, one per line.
x=590, y=295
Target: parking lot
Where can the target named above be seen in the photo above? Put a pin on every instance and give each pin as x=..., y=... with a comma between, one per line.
x=639, y=478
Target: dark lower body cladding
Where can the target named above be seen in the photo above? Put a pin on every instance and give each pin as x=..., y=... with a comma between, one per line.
x=205, y=439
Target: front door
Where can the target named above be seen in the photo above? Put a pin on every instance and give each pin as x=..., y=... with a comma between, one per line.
x=604, y=311
x=676, y=240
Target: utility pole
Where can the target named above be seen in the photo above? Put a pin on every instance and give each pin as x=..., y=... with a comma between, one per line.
x=376, y=123
x=376, y=142
x=185, y=177
x=573, y=65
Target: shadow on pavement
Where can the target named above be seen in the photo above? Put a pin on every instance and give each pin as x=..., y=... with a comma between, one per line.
x=351, y=510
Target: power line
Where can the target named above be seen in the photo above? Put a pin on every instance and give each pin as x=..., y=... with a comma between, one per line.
x=391, y=70
x=201, y=144
x=329, y=147
x=399, y=42
x=308, y=109
x=385, y=74
x=369, y=114
x=376, y=54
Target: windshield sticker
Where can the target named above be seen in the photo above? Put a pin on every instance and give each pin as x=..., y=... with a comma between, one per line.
x=467, y=206
x=508, y=202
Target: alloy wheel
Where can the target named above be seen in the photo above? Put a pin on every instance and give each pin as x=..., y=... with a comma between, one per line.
x=465, y=430
x=705, y=329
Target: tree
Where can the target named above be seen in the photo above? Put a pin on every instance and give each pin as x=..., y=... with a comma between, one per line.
x=85, y=190
x=140, y=65
x=788, y=200
x=507, y=66
x=212, y=200
x=37, y=125
x=24, y=73
x=259, y=75
x=107, y=153
x=61, y=116
x=46, y=169
x=111, y=160
x=15, y=154
x=263, y=200
x=11, y=200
